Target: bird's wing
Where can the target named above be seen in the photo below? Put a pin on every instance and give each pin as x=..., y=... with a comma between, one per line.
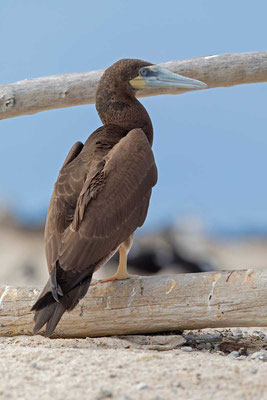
x=73, y=153
x=62, y=205
x=111, y=205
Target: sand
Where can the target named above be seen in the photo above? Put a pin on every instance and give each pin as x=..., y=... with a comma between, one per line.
x=116, y=368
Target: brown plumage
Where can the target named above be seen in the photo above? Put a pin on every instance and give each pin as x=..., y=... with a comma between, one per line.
x=101, y=195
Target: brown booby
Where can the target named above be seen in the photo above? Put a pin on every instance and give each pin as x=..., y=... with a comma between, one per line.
x=103, y=189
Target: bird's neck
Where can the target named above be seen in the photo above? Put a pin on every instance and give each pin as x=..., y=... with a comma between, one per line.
x=124, y=110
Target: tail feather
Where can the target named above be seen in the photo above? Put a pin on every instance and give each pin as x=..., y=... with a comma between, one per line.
x=49, y=310
x=42, y=316
x=54, y=319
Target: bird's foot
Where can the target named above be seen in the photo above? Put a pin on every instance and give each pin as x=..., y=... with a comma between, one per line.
x=94, y=282
x=119, y=277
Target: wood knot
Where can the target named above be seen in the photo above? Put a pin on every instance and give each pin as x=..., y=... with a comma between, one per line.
x=64, y=94
x=8, y=103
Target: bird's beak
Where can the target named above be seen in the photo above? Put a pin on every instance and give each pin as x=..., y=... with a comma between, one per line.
x=155, y=77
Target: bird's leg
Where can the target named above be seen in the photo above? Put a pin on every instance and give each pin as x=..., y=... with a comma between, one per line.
x=94, y=282
x=122, y=272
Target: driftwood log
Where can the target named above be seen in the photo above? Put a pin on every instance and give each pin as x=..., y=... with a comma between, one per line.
x=149, y=305
x=34, y=95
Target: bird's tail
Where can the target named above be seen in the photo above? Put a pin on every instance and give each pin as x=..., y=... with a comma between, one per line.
x=62, y=292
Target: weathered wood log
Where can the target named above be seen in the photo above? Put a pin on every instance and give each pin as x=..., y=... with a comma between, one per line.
x=150, y=304
x=34, y=95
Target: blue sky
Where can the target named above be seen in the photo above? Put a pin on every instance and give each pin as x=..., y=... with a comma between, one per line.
x=210, y=146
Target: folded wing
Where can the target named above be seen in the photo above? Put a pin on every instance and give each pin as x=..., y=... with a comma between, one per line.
x=112, y=203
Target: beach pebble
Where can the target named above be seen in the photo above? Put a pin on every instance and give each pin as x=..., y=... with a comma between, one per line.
x=233, y=354
x=104, y=394
x=141, y=386
x=259, y=335
x=242, y=351
x=260, y=355
x=263, y=357
x=201, y=346
x=237, y=334
x=237, y=331
x=208, y=345
x=187, y=348
x=255, y=355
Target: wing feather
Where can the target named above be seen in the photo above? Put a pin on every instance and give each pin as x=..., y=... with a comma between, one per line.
x=110, y=205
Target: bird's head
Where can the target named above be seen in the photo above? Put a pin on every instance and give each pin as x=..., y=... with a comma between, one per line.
x=133, y=74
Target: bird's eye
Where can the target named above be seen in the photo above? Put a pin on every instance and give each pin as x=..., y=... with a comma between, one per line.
x=143, y=72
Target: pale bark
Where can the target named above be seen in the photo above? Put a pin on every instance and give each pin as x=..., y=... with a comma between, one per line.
x=34, y=95
x=150, y=304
